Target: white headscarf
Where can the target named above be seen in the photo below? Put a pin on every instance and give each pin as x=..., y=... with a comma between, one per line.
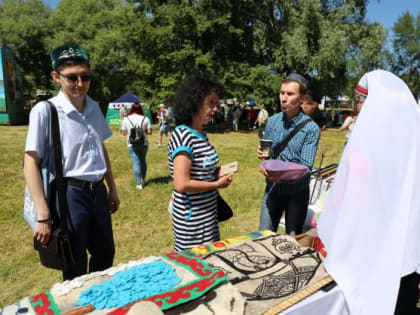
x=371, y=222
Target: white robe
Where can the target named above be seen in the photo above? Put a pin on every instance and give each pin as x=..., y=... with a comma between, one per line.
x=371, y=222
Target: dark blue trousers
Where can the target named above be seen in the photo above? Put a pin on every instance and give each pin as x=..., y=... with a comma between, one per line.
x=295, y=205
x=90, y=230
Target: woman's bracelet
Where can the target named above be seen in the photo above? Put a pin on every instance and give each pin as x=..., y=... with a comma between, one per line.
x=44, y=220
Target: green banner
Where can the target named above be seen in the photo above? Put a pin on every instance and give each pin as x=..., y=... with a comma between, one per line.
x=113, y=117
x=12, y=100
x=2, y=93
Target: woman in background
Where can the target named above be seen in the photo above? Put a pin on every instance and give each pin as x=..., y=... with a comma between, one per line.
x=360, y=95
x=138, y=151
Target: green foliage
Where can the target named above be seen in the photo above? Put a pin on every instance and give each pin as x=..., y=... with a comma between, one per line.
x=367, y=52
x=94, y=25
x=405, y=61
x=149, y=47
x=24, y=26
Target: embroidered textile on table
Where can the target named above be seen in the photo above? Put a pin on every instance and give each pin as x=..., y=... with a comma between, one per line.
x=67, y=293
x=198, y=278
x=204, y=250
x=225, y=299
x=206, y=279
x=269, y=270
x=23, y=307
x=44, y=303
x=131, y=285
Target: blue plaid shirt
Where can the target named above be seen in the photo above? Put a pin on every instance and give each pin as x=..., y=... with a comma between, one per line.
x=301, y=148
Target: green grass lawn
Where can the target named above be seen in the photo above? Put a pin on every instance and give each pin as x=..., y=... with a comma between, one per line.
x=142, y=226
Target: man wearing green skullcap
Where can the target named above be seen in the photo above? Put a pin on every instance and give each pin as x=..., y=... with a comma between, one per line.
x=85, y=164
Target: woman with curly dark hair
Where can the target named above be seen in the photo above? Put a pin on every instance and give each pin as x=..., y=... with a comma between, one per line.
x=193, y=165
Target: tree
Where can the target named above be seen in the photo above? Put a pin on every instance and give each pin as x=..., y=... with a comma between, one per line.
x=366, y=54
x=24, y=27
x=328, y=41
x=95, y=25
x=150, y=46
x=405, y=61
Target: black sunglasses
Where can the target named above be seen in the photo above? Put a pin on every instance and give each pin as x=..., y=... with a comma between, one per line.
x=73, y=78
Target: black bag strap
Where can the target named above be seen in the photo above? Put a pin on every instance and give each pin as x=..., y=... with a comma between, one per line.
x=59, y=180
x=282, y=145
x=141, y=123
x=131, y=122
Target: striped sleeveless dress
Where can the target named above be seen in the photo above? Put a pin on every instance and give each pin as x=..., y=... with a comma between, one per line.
x=194, y=215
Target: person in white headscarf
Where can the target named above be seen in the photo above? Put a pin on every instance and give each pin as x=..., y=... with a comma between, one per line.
x=370, y=224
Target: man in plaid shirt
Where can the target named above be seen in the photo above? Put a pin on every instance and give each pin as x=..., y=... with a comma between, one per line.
x=291, y=196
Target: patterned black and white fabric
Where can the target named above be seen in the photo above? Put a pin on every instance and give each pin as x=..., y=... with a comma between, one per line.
x=269, y=270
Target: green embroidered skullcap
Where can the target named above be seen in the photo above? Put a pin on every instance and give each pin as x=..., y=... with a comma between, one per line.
x=298, y=78
x=67, y=52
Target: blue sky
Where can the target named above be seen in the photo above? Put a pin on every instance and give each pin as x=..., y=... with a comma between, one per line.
x=52, y=3
x=383, y=11
x=387, y=12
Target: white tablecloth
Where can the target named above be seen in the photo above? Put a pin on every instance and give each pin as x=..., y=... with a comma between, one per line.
x=320, y=303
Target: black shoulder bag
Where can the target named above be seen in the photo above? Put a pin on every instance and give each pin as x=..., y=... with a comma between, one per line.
x=224, y=211
x=57, y=254
x=275, y=152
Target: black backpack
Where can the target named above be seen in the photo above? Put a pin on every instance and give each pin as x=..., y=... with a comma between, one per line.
x=136, y=133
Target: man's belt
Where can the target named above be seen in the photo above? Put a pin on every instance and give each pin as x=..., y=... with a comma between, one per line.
x=84, y=184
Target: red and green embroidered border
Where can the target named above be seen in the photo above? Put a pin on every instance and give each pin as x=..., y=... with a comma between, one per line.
x=44, y=304
x=208, y=278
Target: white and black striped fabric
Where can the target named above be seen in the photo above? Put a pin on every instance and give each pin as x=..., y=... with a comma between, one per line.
x=194, y=215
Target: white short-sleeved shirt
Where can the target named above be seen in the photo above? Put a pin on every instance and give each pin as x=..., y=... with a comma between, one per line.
x=82, y=136
x=136, y=120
